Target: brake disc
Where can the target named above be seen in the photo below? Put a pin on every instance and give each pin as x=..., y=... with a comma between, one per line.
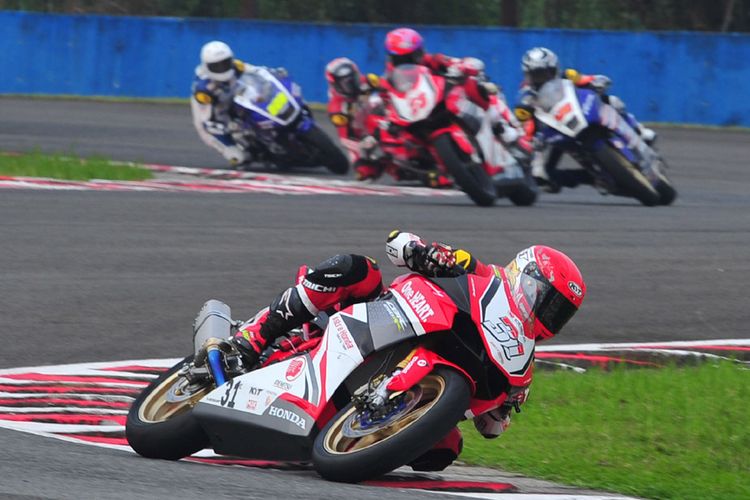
x=361, y=423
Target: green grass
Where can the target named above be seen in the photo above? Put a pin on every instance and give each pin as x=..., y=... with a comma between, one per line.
x=68, y=168
x=673, y=433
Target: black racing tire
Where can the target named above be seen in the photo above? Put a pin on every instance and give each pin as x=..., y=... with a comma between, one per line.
x=469, y=175
x=526, y=194
x=328, y=153
x=627, y=177
x=667, y=192
x=523, y=196
x=155, y=430
x=338, y=458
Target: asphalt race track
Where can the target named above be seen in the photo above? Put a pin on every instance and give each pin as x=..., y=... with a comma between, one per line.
x=101, y=276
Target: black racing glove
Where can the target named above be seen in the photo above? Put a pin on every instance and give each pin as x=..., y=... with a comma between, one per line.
x=436, y=260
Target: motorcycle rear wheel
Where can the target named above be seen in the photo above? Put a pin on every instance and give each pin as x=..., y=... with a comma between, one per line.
x=469, y=175
x=627, y=177
x=439, y=401
x=159, y=428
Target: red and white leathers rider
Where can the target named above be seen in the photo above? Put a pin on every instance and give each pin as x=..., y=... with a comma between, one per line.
x=545, y=284
x=355, y=110
x=406, y=46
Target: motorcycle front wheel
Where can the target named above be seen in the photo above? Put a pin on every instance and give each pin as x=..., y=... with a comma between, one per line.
x=667, y=192
x=469, y=175
x=160, y=422
x=353, y=446
x=627, y=177
x=328, y=153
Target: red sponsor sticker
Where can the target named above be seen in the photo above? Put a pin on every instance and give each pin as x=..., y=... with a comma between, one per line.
x=295, y=368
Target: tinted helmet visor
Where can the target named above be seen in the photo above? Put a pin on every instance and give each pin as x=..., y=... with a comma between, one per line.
x=538, y=77
x=550, y=307
x=220, y=66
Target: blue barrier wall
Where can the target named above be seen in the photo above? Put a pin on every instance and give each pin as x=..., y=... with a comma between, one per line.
x=672, y=77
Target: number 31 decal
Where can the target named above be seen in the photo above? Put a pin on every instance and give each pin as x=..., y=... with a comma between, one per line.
x=225, y=399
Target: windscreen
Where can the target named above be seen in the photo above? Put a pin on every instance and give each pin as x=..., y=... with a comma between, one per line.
x=255, y=88
x=550, y=94
x=405, y=77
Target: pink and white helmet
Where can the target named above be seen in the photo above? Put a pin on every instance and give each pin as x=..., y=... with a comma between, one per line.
x=403, y=41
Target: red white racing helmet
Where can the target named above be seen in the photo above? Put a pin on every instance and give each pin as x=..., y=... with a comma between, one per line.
x=548, y=288
x=216, y=59
x=344, y=76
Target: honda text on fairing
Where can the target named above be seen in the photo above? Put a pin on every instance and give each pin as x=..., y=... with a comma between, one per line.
x=593, y=132
x=437, y=123
x=365, y=390
x=275, y=124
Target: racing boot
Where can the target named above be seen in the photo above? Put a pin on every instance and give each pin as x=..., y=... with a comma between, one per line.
x=647, y=134
x=366, y=171
x=436, y=180
x=285, y=313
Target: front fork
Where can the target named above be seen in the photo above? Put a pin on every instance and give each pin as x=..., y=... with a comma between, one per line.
x=408, y=373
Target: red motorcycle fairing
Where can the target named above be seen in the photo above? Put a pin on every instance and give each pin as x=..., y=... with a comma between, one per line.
x=413, y=91
x=427, y=306
x=276, y=410
x=507, y=340
x=459, y=137
x=421, y=363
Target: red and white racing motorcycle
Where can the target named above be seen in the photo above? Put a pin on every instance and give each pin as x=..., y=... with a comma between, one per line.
x=437, y=123
x=360, y=393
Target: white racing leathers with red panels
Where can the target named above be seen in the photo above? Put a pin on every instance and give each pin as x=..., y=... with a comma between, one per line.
x=278, y=406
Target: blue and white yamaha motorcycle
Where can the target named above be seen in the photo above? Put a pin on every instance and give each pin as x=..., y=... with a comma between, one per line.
x=577, y=121
x=276, y=125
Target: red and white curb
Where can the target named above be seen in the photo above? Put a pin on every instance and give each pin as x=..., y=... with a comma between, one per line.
x=88, y=402
x=229, y=181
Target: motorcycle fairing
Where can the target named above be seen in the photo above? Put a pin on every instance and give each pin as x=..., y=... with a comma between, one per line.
x=415, y=93
x=567, y=111
x=502, y=332
x=495, y=317
x=283, y=401
x=560, y=109
x=427, y=306
x=267, y=98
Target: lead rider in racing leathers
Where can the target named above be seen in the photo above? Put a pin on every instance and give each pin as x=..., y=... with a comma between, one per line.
x=545, y=284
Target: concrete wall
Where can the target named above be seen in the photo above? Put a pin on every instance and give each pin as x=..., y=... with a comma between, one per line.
x=671, y=77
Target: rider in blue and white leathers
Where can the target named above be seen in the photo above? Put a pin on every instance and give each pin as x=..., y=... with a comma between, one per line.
x=212, y=93
x=541, y=65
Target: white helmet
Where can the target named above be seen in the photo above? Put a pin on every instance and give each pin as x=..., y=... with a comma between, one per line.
x=216, y=59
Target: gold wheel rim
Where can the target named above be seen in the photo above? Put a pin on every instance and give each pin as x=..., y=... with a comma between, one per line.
x=336, y=443
x=157, y=408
